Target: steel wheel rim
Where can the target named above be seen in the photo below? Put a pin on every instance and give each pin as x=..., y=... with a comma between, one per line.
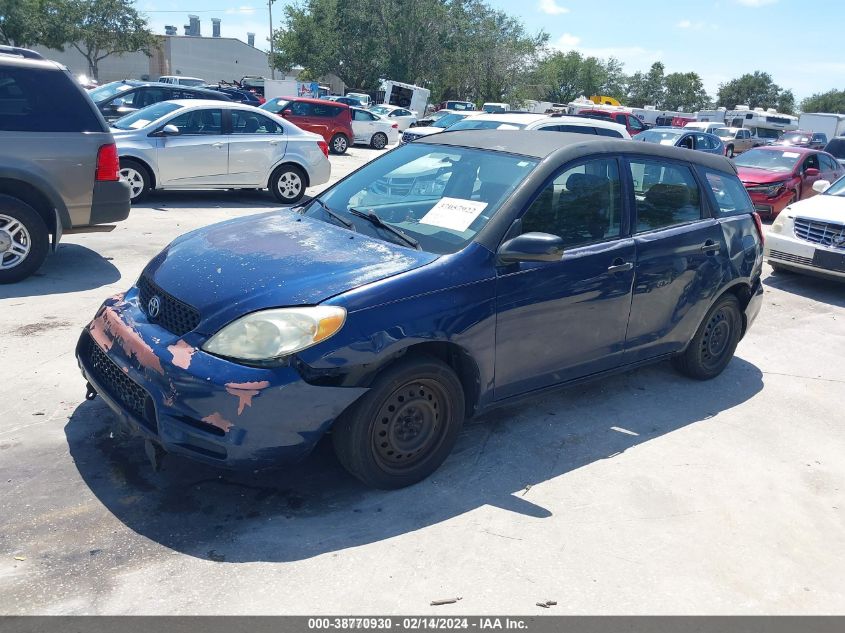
x=135, y=180
x=289, y=185
x=340, y=144
x=410, y=425
x=15, y=242
x=716, y=339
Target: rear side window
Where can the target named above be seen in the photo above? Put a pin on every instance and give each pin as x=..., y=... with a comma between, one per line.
x=601, y=131
x=325, y=111
x=40, y=100
x=731, y=196
x=577, y=129
x=666, y=194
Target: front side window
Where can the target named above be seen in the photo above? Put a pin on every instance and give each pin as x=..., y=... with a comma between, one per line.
x=582, y=205
x=731, y=196
x=360, y=115
x=666, y=194
x=811, y=162
x=635, y=123
x=253, y=123
x=199, y=122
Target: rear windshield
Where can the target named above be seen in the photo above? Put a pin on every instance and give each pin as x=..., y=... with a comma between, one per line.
x=42, y=100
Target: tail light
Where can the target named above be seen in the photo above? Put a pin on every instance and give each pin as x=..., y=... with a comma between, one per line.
x=108, y=164
x=324, y=147
x=759, y=224
x=395, y=126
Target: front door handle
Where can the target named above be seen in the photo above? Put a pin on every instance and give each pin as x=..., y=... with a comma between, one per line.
x=710, y=247
x=620, y=266
x=217, y=145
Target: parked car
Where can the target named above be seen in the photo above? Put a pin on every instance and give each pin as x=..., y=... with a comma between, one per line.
x=197, y=144
x=775, y=177
x=836, y=148
x=681, y=137
x=365, y=99
x=495, y=108
x=390, y=316
x=457, y=106
x=631, y=122
x=736, y=140
x=543, y=122
x=350, y=101
x=238, y=95
x=442, y=123
x=436, y=115
x=705, y=126
x=119, y=98
x=58, y=174
x=375, y=131
x=813, y=140
x=404, y=117
x=332, y=121
x=179, y=80
x=809, y=236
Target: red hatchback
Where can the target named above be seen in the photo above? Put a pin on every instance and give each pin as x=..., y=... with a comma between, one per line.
x=775, y=177
x=329, y=119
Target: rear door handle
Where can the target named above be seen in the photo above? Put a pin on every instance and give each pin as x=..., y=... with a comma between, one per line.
x=710, y=247
x=620, y=266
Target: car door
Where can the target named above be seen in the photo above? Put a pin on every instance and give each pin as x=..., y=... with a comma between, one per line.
x=560, y=320
x=362, y=126
x=680, y=253
x=256, y=145
x=199, y=154
x=810, y=172
x=831, y=170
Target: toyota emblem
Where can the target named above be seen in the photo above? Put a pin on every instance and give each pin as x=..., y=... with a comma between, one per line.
x=154, y=306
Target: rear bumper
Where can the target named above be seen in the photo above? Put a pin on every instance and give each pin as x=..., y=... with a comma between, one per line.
x=754, y=304
x=110, y=202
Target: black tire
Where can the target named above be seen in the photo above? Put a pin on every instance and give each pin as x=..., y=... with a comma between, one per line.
x=27, y=231
x=288, y=184
x=714, y=344
x=379, y=140
x=138, y=177
x=729, y=152
x=339, y=144
x=404, y=427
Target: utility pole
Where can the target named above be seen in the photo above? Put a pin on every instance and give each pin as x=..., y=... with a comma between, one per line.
x=272, y=65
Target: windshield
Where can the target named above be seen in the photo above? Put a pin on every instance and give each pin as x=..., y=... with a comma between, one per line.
x=486, y=124
x=145, y=116
x=108, y=91
x=381, y=109
x=664, y=137
x=723, y=132
x=768, y=159
x=275, y=105
x=794, y=138
x=765, y=133
x=493, y=108
x=459, y=105
x=449, y=119
x=440, y=196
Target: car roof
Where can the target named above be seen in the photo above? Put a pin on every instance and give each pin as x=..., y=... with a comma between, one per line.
x=507, y=117
x=538, y=144
x=583, y=121
x=788, y=148
x=184, y=103
x=10, y=59
x=317, y=101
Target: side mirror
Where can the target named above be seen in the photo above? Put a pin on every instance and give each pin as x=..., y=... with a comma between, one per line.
x=811, y=172
x=820, y=186
x=286, y=113
x=167, y=130
x=532, y=247
x=117, y=103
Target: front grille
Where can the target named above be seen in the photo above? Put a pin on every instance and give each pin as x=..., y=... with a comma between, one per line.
x=174, y=315
x=795, y=259
x=824, y=233
x=407, y=137
x=120, y=386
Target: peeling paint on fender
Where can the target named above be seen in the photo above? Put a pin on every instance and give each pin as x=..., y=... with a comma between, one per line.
x=245, y=391
x=215, y=419
x=108, y=328
x=182, y=353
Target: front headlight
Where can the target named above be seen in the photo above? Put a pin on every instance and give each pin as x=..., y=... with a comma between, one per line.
x=271, y=334
x=774, y=189
x=782, y=222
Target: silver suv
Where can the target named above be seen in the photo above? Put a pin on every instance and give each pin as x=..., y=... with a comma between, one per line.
x=59, y=170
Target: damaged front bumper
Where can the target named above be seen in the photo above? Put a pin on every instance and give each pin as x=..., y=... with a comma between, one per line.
x=165, y=388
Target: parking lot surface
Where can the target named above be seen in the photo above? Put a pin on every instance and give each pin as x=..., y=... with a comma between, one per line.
x=642, y=493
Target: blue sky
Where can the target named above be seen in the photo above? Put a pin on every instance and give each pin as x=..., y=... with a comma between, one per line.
x=798, y=43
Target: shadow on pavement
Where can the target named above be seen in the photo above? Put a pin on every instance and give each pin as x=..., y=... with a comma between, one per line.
x=315, y=507
x=70, y=269
x=827, y=291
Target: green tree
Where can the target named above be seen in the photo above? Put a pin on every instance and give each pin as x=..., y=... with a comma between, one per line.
x=34, y=22
x=684, y=92
x=831, y=101
x=561, y=77
x=647, y=89
x=100, y=28
x=755, y=90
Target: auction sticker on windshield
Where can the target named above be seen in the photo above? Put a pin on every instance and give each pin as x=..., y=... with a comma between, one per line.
x=791, y=154
x=453, y=213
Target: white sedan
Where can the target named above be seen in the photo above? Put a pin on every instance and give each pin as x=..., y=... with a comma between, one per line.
x=199, y=144
x=809, y=236
x=404, y=117
x=373, y=130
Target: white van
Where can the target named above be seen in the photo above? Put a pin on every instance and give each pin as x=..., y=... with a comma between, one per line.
x=179, y=80
x=705, y=126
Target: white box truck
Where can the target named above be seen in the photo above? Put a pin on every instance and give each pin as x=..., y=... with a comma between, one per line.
x=831, y=124
x=290, y=88
x=404, y=95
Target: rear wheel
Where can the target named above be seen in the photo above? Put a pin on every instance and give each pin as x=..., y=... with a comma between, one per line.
x=339, y=144
x=729, y=151
x=379, y=140
x=288, y=184
x=713, y=345
x=138, y=178
x=24, y=240
x=404, y=427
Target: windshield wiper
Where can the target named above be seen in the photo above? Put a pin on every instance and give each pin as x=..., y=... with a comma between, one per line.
x=377, y=221
x=333, y=214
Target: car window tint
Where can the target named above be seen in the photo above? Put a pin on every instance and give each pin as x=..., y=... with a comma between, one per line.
x=149, y=96
x=635, y=123
x=828, y=164
x=620, y=118
x=731, y=196
x=36, y=100
x=360, y=115
x=126, y=99
x=253, y=123
x=666, y=194
x=324, y=110
x=602, y=131
x=582, y=205
x=811, y=162
x=199, y=122
x=577, y=129
x=549, y=128
x=302, y=108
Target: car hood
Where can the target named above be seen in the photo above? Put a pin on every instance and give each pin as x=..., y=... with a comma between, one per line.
x=752, y=175
x=823, y=208
x=272, y=260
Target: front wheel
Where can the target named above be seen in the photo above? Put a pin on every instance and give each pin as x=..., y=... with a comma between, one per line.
x=714, y=344
x=288, y=184
x=379, y=140
x=24, y=240
x=339, y=144
x=729, y=152
x=404, y=427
